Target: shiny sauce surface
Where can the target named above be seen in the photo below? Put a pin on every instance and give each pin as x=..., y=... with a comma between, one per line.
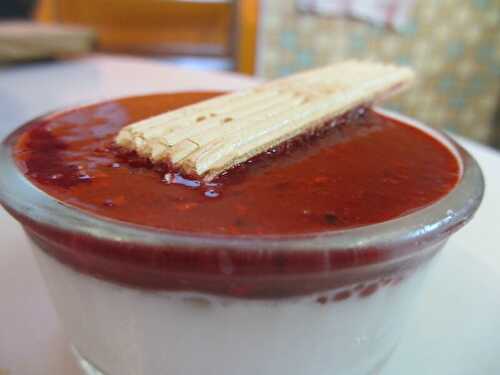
x=361, y=169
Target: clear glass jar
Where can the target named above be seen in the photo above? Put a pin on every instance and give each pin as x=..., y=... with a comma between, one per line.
x=141, y=301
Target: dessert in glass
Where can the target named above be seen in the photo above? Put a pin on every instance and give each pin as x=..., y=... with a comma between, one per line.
x=304, y=259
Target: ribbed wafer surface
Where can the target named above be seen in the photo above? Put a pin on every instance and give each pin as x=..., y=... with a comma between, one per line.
x=207, y=138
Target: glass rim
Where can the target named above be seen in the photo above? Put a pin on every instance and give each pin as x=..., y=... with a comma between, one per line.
x=429, y=223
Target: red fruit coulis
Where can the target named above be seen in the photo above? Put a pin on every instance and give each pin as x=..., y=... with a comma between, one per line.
x=364, y=169
x=361, y=169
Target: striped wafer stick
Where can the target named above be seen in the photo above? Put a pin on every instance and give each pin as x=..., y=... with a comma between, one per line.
x=207, y=138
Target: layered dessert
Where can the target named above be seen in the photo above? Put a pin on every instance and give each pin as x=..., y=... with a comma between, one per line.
x=291, y=256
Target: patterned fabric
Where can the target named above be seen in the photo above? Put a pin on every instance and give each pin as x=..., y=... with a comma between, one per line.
x=454, y=46
x=393, y=13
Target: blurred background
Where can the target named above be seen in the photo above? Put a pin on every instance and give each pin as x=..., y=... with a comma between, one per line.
x=453, y=44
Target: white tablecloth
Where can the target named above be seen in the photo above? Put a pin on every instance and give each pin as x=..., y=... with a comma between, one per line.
x=454, y=330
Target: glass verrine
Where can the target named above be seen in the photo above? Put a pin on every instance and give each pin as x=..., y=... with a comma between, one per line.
x=138, y=300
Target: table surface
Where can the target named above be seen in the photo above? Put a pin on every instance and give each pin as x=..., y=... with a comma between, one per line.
x=453, y=330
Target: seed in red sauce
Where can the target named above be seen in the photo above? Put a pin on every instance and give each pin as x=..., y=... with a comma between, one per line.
x=368, y=290
x=108, y=203
x=330, y=218
x=282, y=185
x=322, y=300
x=239, y=222
x=340, y=296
